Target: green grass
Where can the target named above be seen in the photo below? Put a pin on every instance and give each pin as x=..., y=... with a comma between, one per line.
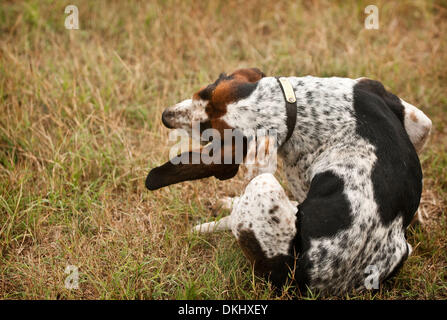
x=80, y=128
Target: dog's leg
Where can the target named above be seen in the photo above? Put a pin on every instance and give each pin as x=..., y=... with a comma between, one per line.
x=221, y=225
x=227, y=203
x=263, y=222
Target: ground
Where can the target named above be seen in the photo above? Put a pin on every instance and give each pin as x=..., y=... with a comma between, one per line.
x=80, y=128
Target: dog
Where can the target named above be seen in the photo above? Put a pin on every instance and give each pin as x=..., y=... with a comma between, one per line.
x=351, y=161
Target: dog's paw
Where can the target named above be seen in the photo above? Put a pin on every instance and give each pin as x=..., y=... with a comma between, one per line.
x=208, y=227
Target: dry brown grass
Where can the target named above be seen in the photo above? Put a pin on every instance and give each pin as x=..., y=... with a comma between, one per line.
x=80, y=128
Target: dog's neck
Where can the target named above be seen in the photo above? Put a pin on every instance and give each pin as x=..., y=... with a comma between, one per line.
x=324, y=108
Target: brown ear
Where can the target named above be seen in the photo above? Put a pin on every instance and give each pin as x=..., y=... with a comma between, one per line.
x=170, y=173
x=248, y=74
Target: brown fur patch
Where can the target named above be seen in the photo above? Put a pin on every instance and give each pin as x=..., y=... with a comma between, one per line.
x=249, y=74
x=227, y=89
x=414, y=117
x=224, y=94
x=220, y=125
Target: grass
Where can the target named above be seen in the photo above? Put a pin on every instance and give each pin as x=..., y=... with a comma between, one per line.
x=80, y=128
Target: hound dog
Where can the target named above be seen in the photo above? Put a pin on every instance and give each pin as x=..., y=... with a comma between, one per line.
x=350, y=157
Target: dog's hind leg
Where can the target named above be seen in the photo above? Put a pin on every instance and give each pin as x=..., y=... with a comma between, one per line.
x=264, y=223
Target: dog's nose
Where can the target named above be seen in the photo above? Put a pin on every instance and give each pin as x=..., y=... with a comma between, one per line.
x=166, y=118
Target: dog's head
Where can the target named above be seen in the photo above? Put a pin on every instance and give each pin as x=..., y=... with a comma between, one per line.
x=208, y=106
x=206, y=110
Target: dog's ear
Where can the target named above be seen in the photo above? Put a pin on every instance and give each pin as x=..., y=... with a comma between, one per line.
x=248, y=74
x=170, y=173
x=185, y=170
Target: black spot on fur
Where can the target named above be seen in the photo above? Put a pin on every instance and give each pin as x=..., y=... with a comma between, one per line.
x=276, y=269
x=309, y=97
x=245, y=89
x=323, y=253
x=326, y=210
x=349, y=166
x=344, y=242
x=273, y=209
x=336, y=263
x=391, y=100
x=376, y=247
x=397, y=175
x=205, y=94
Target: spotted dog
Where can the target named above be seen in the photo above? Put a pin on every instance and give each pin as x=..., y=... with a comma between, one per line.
x=351, y=163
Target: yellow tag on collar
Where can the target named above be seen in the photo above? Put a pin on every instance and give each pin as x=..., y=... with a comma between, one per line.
x=288, y=90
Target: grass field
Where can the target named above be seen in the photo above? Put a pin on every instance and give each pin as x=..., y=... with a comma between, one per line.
x=80, y=128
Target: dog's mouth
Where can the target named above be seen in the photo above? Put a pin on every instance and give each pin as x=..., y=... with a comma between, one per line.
x=204, y=158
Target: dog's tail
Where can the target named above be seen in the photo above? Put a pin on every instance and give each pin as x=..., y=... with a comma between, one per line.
x=417, y=125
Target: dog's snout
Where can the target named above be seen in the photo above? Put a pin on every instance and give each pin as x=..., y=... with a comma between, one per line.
x=166, y=118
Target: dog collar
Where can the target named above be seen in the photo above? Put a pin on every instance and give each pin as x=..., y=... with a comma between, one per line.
x=289, y=96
